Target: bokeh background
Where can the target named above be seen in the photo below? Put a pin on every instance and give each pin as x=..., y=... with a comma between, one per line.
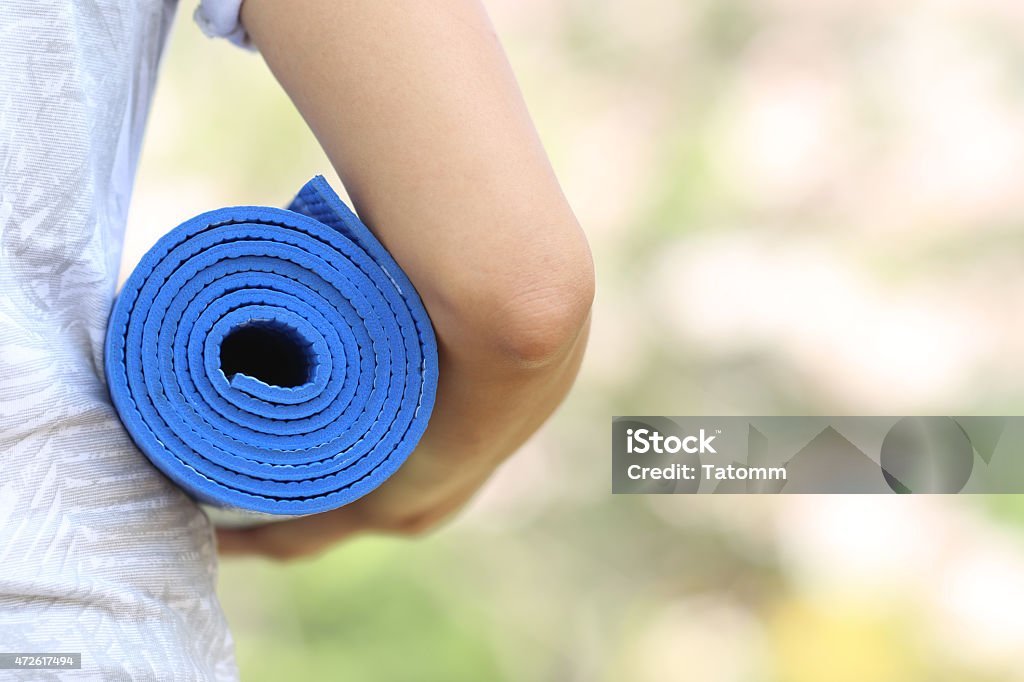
x=796, y=207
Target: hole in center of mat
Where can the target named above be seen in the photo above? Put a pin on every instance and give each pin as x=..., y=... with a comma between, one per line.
x=271, y=352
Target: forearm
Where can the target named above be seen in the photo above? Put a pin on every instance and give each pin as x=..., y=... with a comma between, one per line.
x=484, y=413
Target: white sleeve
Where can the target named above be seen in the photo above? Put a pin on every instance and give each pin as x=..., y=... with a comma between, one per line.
x=221, y=19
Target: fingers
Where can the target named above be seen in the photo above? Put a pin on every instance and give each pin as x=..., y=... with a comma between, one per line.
x=393, y=510
x=291, y=539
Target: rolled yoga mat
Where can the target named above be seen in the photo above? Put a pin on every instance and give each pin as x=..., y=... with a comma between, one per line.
x=272, y=361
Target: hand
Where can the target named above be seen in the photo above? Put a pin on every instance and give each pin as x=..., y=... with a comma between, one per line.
x=422, y=494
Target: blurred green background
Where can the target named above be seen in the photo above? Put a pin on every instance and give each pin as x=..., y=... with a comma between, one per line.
x=796, y=207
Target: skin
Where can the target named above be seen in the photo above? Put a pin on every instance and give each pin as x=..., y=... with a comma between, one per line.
x=419, y=112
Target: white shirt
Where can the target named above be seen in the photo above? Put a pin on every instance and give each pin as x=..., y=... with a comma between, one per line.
x=99, y=553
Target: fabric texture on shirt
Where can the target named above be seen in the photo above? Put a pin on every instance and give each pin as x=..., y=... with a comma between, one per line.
x=222, y=19
x=99, y=553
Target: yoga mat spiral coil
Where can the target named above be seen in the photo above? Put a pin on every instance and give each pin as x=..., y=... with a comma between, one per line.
x=270, y=360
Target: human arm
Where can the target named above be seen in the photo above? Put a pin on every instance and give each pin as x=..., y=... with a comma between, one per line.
x=418, y=110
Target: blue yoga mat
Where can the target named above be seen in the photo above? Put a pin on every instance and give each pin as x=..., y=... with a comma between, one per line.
x=273, y=361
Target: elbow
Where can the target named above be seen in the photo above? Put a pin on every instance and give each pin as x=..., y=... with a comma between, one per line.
x=535, y=319
x=541, y=325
